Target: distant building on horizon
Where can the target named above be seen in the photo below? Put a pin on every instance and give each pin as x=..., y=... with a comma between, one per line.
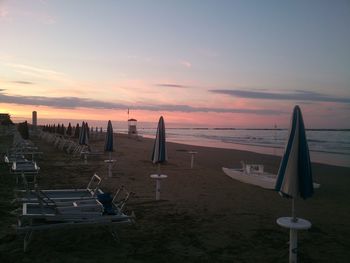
x=34, y=119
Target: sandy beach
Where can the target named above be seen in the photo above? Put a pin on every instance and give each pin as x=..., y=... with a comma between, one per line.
x=204, y=215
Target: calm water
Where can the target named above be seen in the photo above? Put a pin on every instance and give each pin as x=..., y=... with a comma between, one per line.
x=326, y=146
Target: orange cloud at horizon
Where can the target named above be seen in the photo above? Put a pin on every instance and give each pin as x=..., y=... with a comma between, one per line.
x=314, y=116
x=172, y=118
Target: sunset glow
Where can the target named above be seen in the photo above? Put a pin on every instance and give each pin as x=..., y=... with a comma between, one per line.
x=219, y=68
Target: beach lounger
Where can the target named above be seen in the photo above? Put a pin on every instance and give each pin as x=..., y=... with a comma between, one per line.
x=91, y=191
x=25, y=169
x=10, y=158
x=48, y=214
x=53, y=210
x=87, y=152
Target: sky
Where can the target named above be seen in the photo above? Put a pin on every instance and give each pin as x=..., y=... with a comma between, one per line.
x=195, y=62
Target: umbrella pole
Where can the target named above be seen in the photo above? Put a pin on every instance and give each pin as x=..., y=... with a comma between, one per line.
x=293, y=237
x=158, y=183
x=158, y=168
x=157, y=189
x=294, y=218
x=293, y=245
x=110, y=165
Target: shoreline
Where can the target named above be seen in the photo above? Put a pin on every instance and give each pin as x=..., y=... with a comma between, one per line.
x=327, y=158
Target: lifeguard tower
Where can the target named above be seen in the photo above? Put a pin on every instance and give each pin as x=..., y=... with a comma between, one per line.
x=132, y=130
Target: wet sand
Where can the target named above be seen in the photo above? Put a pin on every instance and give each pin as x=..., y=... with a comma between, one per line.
x=204, y=215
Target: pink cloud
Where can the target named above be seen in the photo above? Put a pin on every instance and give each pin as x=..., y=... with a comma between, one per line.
x=3, y=13
x=186, y=63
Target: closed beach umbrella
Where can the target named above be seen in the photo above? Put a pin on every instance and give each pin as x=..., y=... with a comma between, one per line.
x=84, y=137
x=87, y=133
x=87, y=129
x=69, y=130
x=109, y=138
x=159, y=154
x=295, y=176
x=81, y=132
x=295, y=179
x=109, y=147
x=63, y=129
x=77, y=131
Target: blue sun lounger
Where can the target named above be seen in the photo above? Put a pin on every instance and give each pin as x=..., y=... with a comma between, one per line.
x=91, y=191
x=49, y=214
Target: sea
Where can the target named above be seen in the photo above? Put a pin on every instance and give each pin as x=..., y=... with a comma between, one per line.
x=328, y=146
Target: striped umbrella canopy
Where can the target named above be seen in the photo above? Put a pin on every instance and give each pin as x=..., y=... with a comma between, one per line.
x=109, y=138
x=295, y=176
x=159, y=154
x=84, y=136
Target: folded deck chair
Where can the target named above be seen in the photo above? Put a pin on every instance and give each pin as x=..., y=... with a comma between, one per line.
x=91, y=190
x=48, y=214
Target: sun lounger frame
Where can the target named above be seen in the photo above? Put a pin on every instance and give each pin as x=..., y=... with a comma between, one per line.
x=29, y=230
x=69, y=219
x=93, y=188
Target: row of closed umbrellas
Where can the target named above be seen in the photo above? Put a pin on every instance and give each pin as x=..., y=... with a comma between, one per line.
x=294, y=176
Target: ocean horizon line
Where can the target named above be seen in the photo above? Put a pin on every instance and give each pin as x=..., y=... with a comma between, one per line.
x=183, y=127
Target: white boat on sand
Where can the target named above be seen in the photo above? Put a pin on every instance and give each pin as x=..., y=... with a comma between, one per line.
x=254, y=174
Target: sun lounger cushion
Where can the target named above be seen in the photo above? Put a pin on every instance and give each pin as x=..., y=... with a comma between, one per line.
x=106, y=200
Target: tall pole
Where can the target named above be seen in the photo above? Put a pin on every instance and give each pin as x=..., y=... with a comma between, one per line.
x=110, y=165
x=293, y=237
x=293, y=245
x=275, y=135
x=294, y=217
x=128, y=123
x=157, y=189
x=158, y=168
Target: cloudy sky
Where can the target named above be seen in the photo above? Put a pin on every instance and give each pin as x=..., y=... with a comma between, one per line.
x=196, y=62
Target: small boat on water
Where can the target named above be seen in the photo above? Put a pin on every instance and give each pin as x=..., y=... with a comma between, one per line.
x=254, y=174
